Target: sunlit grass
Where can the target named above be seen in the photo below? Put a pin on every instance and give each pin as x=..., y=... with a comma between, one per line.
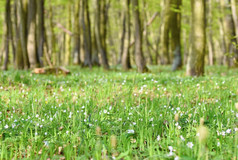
x=115, y=115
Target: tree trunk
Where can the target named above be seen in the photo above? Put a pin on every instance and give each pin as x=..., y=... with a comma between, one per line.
x=76, y=50
x=86, y=34
x=234, y=16
x=164, y=33
x=7, y=33
x=126, y=53
x=235, y=22
x=175, y=27
x=123, y=35
x=40, y=30
x=100, y=31
x=195, y=66
x=210, y=34
x=54, y=55
x=228, y=31
x=22, y=9
x=68, y=38
x=31, y=35
x=139, y=57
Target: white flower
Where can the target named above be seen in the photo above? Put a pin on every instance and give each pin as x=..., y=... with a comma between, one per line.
x=158, y=138
x=176, y=158
x=218, y=144
x=223, y=133
x=170, y=148
x=45, y=133
x=182, y=138
x=228, y=131
x=190, y=145
x=130, y=131
x=37, y=115
x=6, y=126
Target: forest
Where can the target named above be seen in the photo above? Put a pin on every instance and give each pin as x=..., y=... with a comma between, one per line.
x=119, y=79
x=119, y=33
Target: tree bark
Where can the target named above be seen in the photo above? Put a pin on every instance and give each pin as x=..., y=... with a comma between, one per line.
x=139, y=57
x=31, y=35
x=126, y=52
x=22, y=9
x=40, y=30
x=7, y=33
x=86, y=34
x=76, y=39
x=195, y=66
x=164, y=33
x=67, y=60
x=210, y=33
x=175, y=27
x=100, y=32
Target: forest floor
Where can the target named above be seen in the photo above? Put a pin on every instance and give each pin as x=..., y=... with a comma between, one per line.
x=119, y=115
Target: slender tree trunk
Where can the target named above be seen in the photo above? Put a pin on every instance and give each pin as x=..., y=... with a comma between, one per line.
x=68, y=38
x=228, y=31
x=139, y=57
x=52, y=45
x=175, y=26
x=100, y=31
x=195, y=66
x=40, y=30
x=210, y=33
x=95, y=58
x=7, y=33
x=123, y=35
x=164, y=33
x=86, y=34
x=235, y=22
x=23, y=31
x=76, y=50
x=234, y=16
x=126, y=53
x=31, y=35
x=19, y=62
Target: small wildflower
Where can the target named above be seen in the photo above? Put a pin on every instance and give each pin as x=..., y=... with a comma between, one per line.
x=6, y=126
x=176, y=158
x=158, y=138
x=182, y=138
x=130, y=131
x=228, y=131
x=190, y=145
x=170, y=148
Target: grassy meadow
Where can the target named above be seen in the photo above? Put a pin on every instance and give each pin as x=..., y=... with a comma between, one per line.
x=92, y=114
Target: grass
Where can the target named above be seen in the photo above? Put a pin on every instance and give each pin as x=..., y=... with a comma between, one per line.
x=119, y=115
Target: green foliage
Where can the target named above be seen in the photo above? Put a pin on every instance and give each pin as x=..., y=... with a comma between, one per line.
x=48, y=116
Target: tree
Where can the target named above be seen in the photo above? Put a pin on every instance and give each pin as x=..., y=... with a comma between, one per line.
x=87, y=41
x=139, y=57
x=101, y=31
x=76, y=38
x=7, y=33
x=175, y=27
x=125, y=59
x=40, y=30
x=164, y=32
x=195, y=65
